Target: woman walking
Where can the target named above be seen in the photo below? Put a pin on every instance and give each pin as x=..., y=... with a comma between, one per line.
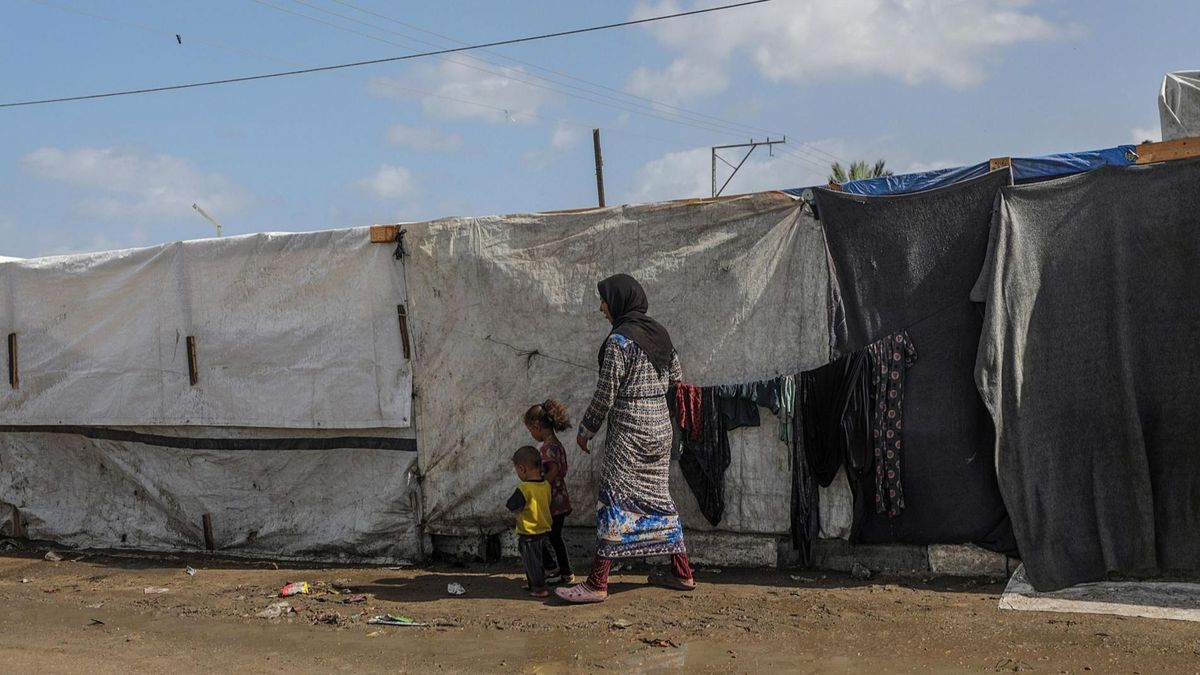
x=635, y=516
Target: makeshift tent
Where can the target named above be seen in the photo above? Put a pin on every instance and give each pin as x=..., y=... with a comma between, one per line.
x=1093, y=308
x=1179, y=105
x=907, y=263
x=260, y=380
x=506, y=315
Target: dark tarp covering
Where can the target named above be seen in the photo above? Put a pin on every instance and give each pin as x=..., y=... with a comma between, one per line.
x=1088, y=362
x=909, y=263
x=1024, y=170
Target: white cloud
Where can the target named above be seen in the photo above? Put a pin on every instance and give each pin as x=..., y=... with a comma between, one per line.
x=562, y=139
x=390, y=182
x=450, y=90
x=688, y=174
x=1139, y=135
x=921, y=167
x=683, y=80
x=136, y=185
x=807, y=41
x=423, y=140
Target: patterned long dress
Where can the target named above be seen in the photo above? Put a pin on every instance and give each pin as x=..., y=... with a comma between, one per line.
x=635, y=515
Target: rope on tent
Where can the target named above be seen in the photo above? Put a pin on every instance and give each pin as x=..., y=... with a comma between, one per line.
x=401, y=252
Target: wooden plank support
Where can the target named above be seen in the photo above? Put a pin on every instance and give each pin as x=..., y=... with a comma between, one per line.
x=997, y=163
x=1182, y=148
x=402, y=312
x=18, y=524
x=384, y=234
x=209, y=540
x=835, y=187
x=193, y=366
x=14, y=371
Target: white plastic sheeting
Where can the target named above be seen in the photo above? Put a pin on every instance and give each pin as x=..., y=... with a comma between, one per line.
x=1179, y=105
x=292, y=331
x=506, y=315
x=311, y=504
x=1147, y=599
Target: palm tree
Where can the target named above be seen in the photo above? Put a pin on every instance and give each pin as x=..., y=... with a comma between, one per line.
x=858, y=171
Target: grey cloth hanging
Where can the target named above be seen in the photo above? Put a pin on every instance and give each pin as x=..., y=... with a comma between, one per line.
x=1088, y=365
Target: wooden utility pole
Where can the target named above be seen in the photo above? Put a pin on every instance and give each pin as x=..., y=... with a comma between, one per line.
x=599, y=167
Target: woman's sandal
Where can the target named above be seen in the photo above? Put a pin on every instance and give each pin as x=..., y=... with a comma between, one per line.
x=581, y=595
x=667, y=580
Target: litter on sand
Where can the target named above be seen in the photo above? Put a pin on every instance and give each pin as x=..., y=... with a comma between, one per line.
x=355, y=599
x=275, y=610
x=656, y=642
x=98, y=605
x=191, y=571
x=621, y=624
x=155, y=590
x=401, y=564
x=394, y=620
x=456, y=589
x=96, y=622
x=51, y=556
x=295, y=588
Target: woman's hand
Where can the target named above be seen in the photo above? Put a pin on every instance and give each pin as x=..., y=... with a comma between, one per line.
x=582, y=443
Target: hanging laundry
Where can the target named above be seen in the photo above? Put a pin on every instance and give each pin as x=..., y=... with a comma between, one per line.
x=890, y=358
x=689, y=403
x=834, y=404
x=806, y=519
x=787, y=407
x=739, y=402
x=704, y=462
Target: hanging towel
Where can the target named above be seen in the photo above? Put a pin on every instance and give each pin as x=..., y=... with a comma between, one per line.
x=689, y=403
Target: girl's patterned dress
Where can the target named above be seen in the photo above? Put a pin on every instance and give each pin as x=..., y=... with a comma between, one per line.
x=635, y=515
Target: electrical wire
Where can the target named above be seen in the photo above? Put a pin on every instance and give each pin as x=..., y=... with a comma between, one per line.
x=552, y=85
x=392, y=59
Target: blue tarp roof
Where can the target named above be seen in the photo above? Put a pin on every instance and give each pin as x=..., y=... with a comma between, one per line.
x=1024, y=169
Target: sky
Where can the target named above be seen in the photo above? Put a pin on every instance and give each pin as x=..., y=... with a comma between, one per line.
x=919, y=83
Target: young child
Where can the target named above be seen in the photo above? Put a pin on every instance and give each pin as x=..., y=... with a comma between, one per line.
x=543, y=420
x=531, y=502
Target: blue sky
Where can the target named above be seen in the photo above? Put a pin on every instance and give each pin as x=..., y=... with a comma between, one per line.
x=921, y=84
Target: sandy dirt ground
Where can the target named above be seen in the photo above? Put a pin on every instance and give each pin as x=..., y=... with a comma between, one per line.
x=94, y=616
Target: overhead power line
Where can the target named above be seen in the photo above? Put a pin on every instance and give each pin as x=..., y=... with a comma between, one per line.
x=358, y=64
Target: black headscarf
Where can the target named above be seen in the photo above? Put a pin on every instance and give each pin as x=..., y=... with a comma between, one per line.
x=628, y=305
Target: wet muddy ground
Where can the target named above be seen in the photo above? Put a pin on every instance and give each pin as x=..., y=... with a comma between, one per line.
x=94, y=615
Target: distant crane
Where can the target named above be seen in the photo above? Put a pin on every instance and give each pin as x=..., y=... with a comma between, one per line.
x=207, y=217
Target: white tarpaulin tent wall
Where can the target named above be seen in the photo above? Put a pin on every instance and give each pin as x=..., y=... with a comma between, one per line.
x=296, y=436
x=506, y=314
x=1179, y=105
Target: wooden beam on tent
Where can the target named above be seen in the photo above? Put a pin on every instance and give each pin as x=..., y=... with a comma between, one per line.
x=384, y=234
x=1181, y=148
x=402, y=312
x=18, y=524
x=193, y=366
x=14, y=373
x=209, y=539
x=835, y=187
x=997, y=163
